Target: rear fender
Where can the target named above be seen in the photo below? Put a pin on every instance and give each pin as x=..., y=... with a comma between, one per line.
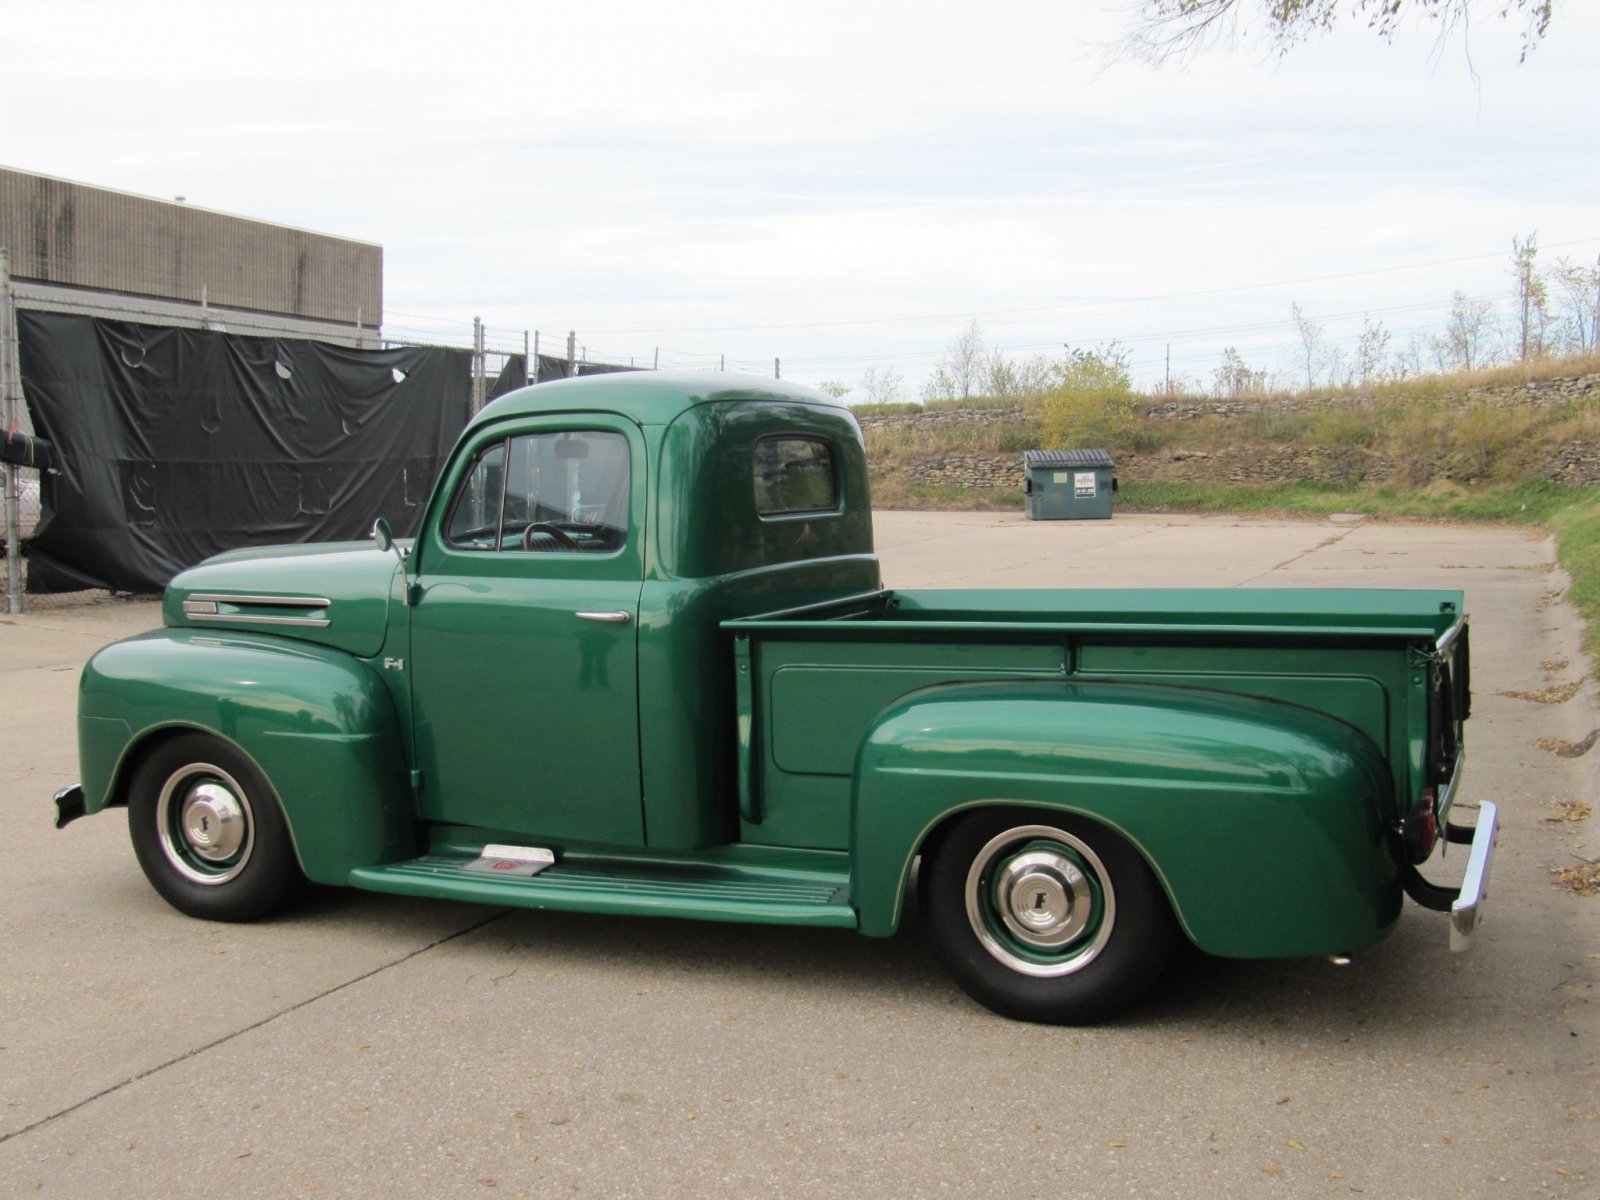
x=319, y=724
x=1268, y=825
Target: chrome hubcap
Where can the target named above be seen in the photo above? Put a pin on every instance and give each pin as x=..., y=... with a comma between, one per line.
x=213, y=822
x=204, y=823
x=1043, y=898
x=1040, y=901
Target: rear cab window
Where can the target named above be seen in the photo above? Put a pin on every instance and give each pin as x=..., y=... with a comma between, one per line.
x=795, y=474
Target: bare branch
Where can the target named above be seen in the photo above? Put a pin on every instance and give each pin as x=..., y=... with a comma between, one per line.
x=1178, y=31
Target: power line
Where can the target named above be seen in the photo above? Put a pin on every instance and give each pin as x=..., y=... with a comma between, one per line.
x=1213, y=331
x=994, y=312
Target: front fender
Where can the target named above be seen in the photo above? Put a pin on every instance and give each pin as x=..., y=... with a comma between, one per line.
x=319, y=724
x=1267, y=824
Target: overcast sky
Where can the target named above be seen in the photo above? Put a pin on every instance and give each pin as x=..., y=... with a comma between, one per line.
x=841, y=186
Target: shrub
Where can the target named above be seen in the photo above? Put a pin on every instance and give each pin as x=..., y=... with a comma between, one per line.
x=1092, y=404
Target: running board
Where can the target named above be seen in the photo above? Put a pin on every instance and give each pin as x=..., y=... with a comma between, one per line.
x=651, y=889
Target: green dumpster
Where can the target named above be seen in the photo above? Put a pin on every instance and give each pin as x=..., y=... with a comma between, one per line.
x=1064, y=485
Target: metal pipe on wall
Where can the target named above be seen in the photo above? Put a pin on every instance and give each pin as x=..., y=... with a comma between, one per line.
x=478, y=366
x=8, y=414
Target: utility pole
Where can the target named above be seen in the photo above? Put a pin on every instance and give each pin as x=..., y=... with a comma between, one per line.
x=527, y=361
x=535, y=356
x=656, y=366
x=777, y=371
x=572, y=353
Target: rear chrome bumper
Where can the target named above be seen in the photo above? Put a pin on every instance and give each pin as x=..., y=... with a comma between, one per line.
x=1467, y=908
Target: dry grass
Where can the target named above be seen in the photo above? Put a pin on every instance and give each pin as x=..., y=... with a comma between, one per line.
x=1556, y=693
x=1565, y=749
x=1571, y=811
x=1581, y=880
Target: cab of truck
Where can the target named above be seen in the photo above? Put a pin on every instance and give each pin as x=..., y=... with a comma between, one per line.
x=567, y=674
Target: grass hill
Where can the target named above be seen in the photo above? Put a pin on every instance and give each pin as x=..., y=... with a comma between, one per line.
x=1518, y=443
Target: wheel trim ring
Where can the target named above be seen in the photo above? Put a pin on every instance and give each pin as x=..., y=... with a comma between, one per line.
x=984, y=910
x=174, y=803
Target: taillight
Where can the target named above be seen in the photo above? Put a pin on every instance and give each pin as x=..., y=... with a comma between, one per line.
x=1420, y=830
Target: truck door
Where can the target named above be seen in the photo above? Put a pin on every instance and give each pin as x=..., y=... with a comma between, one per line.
x=524, y=655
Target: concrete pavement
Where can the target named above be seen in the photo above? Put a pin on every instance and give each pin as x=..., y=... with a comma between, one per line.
x=378, y=1046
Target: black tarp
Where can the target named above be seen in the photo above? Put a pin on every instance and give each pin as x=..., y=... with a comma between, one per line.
x=27, y=451
x=552, y=368
x=513, y=375
x=175, y=444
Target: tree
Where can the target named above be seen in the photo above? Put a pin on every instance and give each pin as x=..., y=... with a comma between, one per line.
x=1409, y=359
x=1580, y=288
x=1312, y=351
x=1234, y=379
x=1178, y=30
x=1017, y=379
x=1532, y=296
x=881, y=384
x=1465, y=334
x=1372, y=350
x=961, y=369
x=837, y=388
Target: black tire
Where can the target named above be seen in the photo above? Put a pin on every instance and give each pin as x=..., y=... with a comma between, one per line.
x=1096, y=935
x=208, y=831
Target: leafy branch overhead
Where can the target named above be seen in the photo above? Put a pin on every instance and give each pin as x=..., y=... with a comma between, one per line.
x=1179, y=30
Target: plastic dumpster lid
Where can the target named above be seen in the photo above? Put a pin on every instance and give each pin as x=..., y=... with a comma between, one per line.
x=1067, y=458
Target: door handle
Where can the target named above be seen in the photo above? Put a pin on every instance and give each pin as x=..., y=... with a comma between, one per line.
x=621, y=617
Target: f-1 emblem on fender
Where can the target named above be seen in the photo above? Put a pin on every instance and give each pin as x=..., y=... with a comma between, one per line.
x=394, y=664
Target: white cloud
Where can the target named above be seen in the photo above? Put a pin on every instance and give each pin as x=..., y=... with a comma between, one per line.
x=629, y=166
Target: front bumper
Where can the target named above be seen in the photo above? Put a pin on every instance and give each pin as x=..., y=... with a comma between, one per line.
x=70, y=805
x=1467, y=908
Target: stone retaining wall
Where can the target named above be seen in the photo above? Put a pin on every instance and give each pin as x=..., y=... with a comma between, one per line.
x=945, y=418
x=1575, y=463
x=1339, y=466
x=1534, y=392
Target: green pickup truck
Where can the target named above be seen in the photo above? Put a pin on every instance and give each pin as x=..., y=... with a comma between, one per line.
x=639, y=660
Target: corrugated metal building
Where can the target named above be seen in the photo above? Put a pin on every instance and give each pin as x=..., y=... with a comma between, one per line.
x=77, y=248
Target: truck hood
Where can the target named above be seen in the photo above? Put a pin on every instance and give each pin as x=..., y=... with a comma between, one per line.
x=335, y=593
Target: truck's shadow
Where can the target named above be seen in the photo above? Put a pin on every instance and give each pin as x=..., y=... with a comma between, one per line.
x=1388, y=988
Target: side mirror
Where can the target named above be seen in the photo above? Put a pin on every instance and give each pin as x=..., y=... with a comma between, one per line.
x=383, y=537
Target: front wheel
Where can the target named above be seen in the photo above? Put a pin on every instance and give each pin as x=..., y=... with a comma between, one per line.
x=1044, y=916
x=208, y=832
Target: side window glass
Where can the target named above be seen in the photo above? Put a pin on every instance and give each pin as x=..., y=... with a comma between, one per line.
x=475, y=517
x=553, y=493
x=795, y=475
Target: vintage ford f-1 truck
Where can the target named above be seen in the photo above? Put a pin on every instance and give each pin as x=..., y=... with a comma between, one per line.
x=639, y=660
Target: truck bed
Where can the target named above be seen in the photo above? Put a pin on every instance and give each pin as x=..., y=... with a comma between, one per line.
x=812, y=681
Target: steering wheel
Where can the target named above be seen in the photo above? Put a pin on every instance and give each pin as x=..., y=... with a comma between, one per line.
x=562, y=537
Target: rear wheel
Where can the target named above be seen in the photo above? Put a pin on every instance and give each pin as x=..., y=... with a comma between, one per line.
x=1045, y=916
x=208, y=832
